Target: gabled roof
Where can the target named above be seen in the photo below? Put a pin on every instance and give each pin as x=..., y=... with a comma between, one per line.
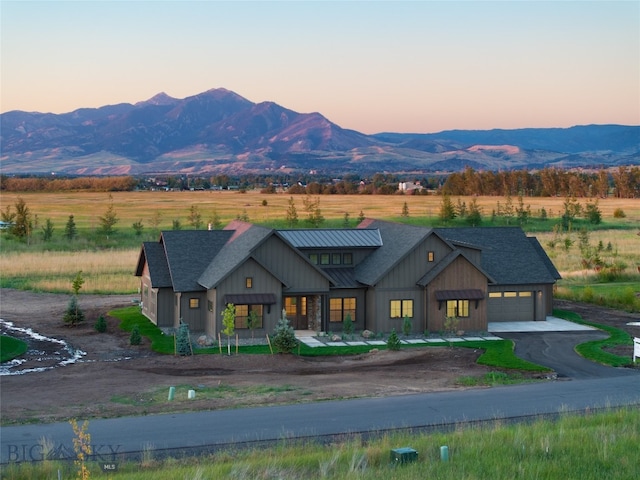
x=442, y=265
x=153, y=254
x=508, y=255
x=398, y=240
x=189, y=252
x=545, y=258
x=342, y=277
x=333, y=238
x=239, y=248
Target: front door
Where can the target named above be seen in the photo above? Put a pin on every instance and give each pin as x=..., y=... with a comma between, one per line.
x=296, y=308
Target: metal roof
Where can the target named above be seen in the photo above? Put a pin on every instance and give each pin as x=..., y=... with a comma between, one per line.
x=333, y=238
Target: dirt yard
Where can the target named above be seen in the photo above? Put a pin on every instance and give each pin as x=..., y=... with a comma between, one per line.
x=113, y=378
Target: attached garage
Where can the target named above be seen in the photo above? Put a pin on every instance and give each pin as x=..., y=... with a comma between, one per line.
x=511, y=306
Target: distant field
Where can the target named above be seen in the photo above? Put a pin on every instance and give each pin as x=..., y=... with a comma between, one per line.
x=87, y=207
x=108, y=264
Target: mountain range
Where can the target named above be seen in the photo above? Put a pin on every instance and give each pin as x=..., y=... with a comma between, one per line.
x=220, y=132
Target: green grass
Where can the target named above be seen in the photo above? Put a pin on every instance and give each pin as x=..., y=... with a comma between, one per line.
x=131, y=316
x=11, y=348
x=596, y=350
x=594, y=446
x=492, y=379
x=620, y=295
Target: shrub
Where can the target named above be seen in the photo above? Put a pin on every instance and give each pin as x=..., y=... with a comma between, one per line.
x=393, y=343
x=100, y=325
x=183, y=340
x=407, y=326
x=347, y=325
x=619, y=213
x=284, y=336
x=74, y=314
x=135, y=338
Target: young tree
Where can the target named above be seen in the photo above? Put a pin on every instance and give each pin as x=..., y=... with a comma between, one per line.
x=229, y=323
x=361, y=217
x=252, y=321
x=593, y=213
x=284, y=336
x=407, y=326
x=347, y=325
x=47, y=230
x=314, y=215
x=474, y=217
x=405, y=210
x=195, y=218
x=345, y=220
x=73, y=314
x=214, y=222
x=175, y=225
x=22, y=223
x=447, y=210
x=155, y=220
x=100, y=325
x=183, y=340
x=292, y=213
x=138, y=227
x=393, y=343
x=135, y=338
x=70, y=230
x=109, y=220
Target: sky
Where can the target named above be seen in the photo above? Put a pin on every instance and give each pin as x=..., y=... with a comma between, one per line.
x=370, y=66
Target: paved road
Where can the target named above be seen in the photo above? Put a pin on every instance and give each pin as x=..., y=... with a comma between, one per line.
x=206, y=431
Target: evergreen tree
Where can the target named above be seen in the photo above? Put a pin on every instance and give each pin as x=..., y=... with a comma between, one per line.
x=347, y=325
x=474, y=217
x=393, y=343
x=22, y=223
x=405, y=210
x=47, y=230
x=135, y=338
x=138, y=227
x=447, y=210
x=100, y=325
x=284, y=336
x=195, y=218
x=361, y=217
x=183, y=340
x=74, y=314
x=407, y=326
x=345, y=220
x=108, y=220
x=70, y=230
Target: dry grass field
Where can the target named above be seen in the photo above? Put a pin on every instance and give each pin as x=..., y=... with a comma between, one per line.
x=130, y=207
x=110, y=270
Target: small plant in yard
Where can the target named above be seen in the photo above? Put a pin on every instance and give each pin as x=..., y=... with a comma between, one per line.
x=135, y=338
x=229, y=322
x=451, y=325
x=284, y=336
x=252, y=321
x=82, y=447
x=393, y=343
x=183, y=340
x=347, y=325
x=407, y=326
x=100, y=325
x=74, y=314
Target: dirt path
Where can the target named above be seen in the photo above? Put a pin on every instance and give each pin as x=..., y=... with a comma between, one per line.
x=111, y=369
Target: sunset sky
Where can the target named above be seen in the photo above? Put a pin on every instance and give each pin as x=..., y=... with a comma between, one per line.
x=417, y=66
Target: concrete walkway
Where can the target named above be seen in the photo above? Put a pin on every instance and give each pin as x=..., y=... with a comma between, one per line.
x=552, y=324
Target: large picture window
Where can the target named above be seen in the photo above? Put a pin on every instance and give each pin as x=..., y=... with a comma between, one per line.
x=457, y=308
x=242, y=314
x=340, y=307
x=401, y=308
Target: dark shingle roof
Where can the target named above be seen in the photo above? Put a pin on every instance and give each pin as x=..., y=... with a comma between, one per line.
x=397, y=241
x=508, y=255
x=333, y=238
x=236, y=251
x=189, y=253
x=342, y=277
x=153, y=252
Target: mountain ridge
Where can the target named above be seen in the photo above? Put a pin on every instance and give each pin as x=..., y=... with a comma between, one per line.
x=219, y=131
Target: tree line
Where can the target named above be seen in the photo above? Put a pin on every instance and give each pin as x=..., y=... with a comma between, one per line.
x=620, y=182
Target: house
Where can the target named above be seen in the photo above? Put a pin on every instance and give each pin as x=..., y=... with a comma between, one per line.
x=378, y=274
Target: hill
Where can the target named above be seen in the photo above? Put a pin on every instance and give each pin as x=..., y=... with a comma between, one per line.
x=218, y=131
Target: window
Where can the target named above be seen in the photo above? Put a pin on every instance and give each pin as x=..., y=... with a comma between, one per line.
x=248, y=282
x=401, y=308
x=324, y=259
x=430, y=256
x=194, y=303
x=340, y=307
x=457, y=308
x=347, y=258
x=495, y=294
x=336, y=259
x=524, y=294
x=314, y=258
x=509, y=294
x=242, y=315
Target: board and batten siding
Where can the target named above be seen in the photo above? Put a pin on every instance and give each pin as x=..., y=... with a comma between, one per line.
x=290, y=266
x=195, y=318
x=262, y=281
x=460, y=274
x=361, y=308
